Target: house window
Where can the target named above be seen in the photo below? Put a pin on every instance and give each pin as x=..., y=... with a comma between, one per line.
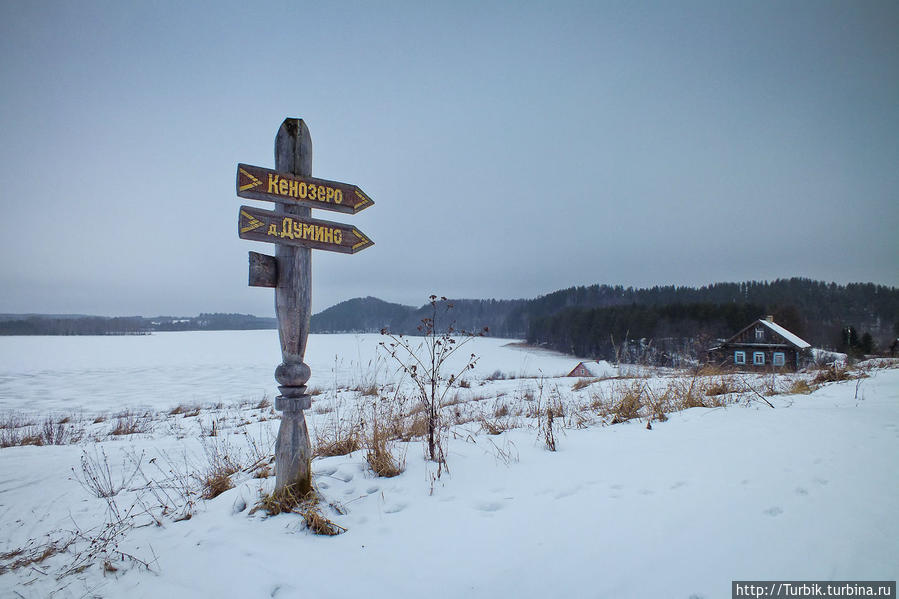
x=739, y=357
x=759, y=334
x=758, y=358
x=778, y=358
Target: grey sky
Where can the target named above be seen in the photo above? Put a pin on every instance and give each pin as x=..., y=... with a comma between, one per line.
x=511, y=148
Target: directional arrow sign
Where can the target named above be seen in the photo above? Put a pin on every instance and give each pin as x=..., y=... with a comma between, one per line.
x=259, y=183
x=287, y=229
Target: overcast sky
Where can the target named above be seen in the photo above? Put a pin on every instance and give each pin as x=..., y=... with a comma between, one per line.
x=511, y=149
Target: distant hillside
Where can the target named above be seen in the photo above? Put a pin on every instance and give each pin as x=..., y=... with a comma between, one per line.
x=361, y=315
x=70, y=324
x=814, y=310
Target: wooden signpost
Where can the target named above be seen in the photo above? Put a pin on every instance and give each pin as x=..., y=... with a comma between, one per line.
x=257, y=183
x=294, y=191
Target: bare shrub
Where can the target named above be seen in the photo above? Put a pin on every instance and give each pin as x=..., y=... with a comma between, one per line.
x=60, y=432
x=425, y=365
x=98, y=479
x=549, y=433
x=497, y=375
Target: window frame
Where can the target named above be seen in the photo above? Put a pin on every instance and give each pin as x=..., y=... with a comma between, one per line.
x=758, y=358
x=740, y=357
x=782, y=356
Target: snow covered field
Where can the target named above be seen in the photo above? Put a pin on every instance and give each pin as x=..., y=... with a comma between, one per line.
x=807, y=490
x=166, y=369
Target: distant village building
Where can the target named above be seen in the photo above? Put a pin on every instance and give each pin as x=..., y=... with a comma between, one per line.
x=762, y=345
x=596, y=370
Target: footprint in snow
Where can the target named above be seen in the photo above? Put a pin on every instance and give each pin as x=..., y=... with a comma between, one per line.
x=645, y=492
x=489, y=506
x=567, y=492
x=821, y=481
x=350, y=491
x=801, y=491
x=393, y=508
x=678, y=484
x=343, y=476
x=773, y=511
x=372, y=489
x=327, y=471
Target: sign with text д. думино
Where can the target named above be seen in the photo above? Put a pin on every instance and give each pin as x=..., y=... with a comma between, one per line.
x=276, y=227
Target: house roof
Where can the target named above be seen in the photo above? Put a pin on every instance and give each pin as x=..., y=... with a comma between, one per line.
x=597, y=369
x=776, y=328
x=798, y=342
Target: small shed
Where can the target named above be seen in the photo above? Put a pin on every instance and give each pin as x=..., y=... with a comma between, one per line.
x=597, y=369
x=762, y=345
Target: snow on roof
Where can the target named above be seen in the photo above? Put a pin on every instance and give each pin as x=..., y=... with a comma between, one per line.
x=800, y=343
x=599, y=369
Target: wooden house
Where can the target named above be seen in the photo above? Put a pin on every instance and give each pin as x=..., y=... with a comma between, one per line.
x=763, y=345
x=593, y=370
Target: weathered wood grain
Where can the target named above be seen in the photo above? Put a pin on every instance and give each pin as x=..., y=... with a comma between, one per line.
x=293, y=301
x=263, y=270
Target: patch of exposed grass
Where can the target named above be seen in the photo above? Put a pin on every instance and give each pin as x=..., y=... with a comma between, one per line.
x=292, y=499
x=800, y=387
x=130, y=422
x=831, y=374
x=583, y=383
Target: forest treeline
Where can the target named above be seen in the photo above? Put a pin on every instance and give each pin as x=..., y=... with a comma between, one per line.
x=597, y=321
x=37, y=324
x=594, y=321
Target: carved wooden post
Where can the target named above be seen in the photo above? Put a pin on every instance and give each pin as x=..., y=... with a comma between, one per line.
x=294, y=191
x=293, y=301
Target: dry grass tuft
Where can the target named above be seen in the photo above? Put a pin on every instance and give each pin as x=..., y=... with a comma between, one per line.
x=720, y=387
x=292, y=499
x=831, y=374
x=800, y=386
x=380, y=452
x=217, y=482
x=129, y=423
x=583, y=383
x=628, y=403
x=16, y=430
x=27, y=557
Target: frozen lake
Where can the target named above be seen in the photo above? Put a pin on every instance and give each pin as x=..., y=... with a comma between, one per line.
x=99, y=374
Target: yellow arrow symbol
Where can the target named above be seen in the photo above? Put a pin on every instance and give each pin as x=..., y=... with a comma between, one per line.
x=252, y=222
x=366, y=201
x=363, y=240
x=254, y=181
